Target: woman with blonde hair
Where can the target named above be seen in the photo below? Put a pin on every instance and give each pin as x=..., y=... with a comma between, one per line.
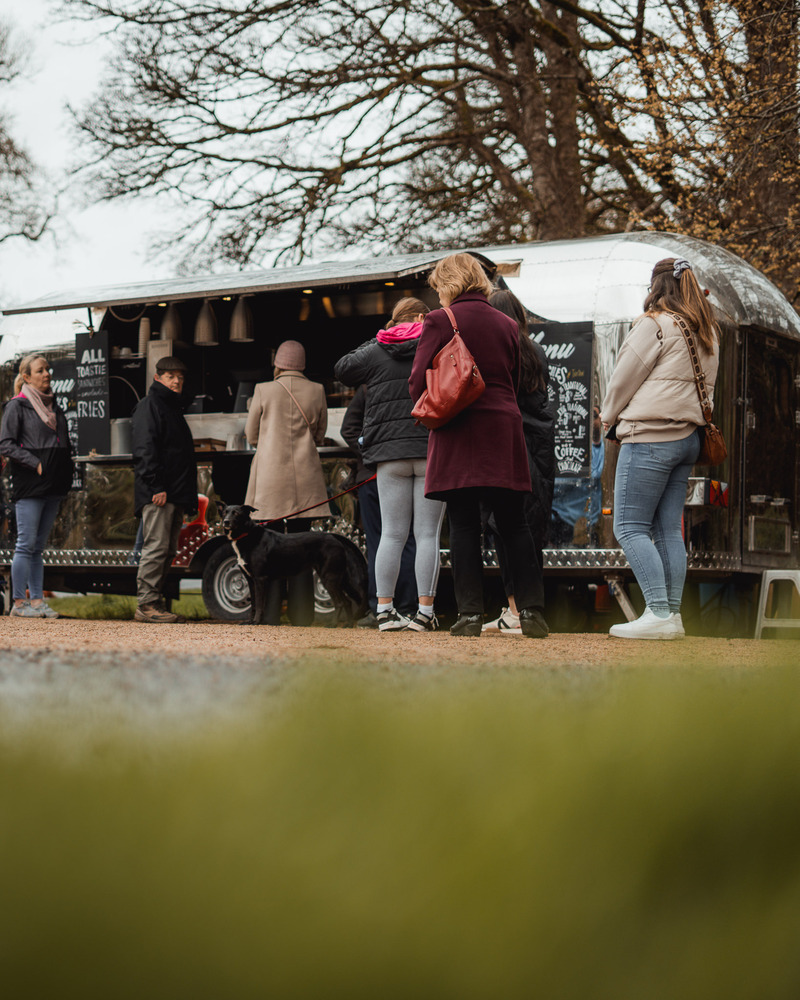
x=652, y=403
x=35, y=438
x=479, y=457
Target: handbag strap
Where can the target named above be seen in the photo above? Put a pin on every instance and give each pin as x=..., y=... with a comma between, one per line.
x=452, y=317
x=299, y=407
x=699, y=374
x=457, y=333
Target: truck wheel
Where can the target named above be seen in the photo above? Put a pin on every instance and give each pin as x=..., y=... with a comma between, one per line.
x=226, y=592
x=324, y=608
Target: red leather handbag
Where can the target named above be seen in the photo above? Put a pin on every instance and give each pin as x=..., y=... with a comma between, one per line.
x=453, y=383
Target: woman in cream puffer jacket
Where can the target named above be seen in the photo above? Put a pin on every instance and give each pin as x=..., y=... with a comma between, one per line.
x=653, y=405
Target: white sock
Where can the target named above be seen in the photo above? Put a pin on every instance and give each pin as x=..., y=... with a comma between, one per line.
x=426, y=610
x=383, y=608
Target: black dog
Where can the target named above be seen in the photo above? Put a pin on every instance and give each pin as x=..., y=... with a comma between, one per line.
x=266, y=555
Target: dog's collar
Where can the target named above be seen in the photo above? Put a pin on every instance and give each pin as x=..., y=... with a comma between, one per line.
x=239, y=537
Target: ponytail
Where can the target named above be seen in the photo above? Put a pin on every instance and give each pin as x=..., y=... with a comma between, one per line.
x=674, y=288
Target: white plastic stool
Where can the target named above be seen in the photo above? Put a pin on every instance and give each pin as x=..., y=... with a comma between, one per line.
x=769, y=577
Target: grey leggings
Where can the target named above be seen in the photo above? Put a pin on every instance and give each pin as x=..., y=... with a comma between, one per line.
x=401, y=492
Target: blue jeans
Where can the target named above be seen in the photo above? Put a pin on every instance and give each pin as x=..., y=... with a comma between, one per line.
x=35, y=517
x=649, y=497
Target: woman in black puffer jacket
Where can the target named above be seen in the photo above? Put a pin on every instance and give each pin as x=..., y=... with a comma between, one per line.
x=35, y=438
x=399, y=448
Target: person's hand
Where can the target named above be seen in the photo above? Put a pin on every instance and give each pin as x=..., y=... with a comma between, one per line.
x=39, y=468
x=159, y=499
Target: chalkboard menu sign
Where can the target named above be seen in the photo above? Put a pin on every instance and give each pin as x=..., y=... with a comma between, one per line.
x=568, y=347
x=91, y=392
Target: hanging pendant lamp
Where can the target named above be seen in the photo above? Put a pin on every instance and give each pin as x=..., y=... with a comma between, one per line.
x=242, y=323
x=205, y=329
x=171, y=324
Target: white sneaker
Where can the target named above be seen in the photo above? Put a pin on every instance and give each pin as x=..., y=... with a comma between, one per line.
x=680, y=632
x=507, y=624
x=392, y=621
x=423, y=623
x=25, y=610
x=649, y=626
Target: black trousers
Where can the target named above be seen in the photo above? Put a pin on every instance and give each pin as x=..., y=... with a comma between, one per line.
x=298, y=589
x=537, y=568
x=464, y=512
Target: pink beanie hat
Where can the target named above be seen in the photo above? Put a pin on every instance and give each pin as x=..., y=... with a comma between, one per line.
x=291, y=356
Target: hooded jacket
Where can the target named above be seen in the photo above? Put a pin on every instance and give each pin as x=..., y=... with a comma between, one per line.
x=163, y=450
x=27, y=440
x=389, y=431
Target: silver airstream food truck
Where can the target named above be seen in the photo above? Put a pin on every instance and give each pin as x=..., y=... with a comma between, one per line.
x=582, y=295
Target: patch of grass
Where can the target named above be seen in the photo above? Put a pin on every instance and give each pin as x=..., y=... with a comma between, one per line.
x=498, y=839
x=115, y=606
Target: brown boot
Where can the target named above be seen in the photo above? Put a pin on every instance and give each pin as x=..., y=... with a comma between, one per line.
x=156, y=615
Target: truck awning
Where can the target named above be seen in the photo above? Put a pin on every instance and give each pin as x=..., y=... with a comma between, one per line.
x=326, y=273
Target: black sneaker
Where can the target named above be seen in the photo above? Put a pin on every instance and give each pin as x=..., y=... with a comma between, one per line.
x=467, y=625
x=392, y=621
x=423, y=623
x=533, y=624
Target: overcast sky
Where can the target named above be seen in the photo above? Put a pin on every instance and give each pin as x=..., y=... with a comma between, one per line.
x=91, y=244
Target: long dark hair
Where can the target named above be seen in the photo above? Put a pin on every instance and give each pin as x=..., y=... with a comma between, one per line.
x=531, y=373
x=682, y=295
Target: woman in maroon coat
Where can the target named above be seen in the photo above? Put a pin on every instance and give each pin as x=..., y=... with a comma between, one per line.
x=479, y=456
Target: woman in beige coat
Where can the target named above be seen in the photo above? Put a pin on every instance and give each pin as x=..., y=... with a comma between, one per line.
x=286, y=421
x=653, y=404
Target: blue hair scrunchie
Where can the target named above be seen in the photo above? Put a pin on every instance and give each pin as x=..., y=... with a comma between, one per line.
x=679, y=266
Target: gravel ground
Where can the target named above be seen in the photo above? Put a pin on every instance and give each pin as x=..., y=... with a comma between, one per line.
x=248, y=646
x=149, y=672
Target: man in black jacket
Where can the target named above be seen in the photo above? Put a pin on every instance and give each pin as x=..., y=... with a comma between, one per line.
x=165, y=484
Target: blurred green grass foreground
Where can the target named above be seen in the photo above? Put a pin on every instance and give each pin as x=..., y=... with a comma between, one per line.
x=635, y=838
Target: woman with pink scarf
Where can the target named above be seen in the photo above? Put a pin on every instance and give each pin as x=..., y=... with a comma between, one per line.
x=34, y=437
x=398, y=447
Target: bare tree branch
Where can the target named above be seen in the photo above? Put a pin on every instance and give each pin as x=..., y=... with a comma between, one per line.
x=292, y=125
x=22, y=205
